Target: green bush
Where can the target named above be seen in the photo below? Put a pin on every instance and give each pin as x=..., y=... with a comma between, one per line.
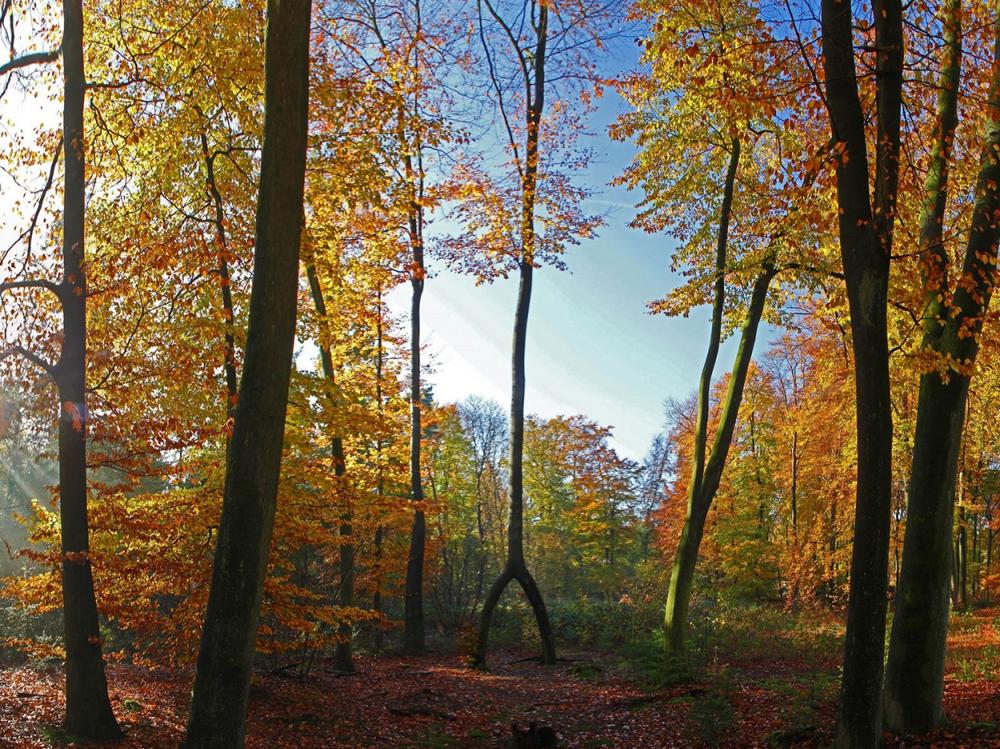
x=20, y=625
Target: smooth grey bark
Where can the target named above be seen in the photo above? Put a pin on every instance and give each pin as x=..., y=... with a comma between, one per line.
x=225, y=659
x=914, y=683
x=413, y=623
x=866, y=247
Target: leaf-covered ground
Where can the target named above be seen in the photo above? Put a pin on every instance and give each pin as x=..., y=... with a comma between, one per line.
x=589, y=699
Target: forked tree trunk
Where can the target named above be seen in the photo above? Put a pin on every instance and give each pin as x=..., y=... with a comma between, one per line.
x=88, y=709
x=866, y=247
x=225, y=658
x=705, y=482
x=515, y=567
x=914, y=683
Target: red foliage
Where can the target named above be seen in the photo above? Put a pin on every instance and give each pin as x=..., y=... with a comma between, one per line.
x=435, y=701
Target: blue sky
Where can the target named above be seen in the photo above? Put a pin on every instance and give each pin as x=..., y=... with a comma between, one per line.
x=592, y=347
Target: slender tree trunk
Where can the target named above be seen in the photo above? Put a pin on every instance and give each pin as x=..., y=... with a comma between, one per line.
x=378, y=638
x=915, y=669
x=229, y=364
x=686, y=557
x=413, y=625
x=516, y=568
x=700, y=499
x=413, y=631
x=88, y=709
x=225, y=659
x=963, y=570
x=343, y=652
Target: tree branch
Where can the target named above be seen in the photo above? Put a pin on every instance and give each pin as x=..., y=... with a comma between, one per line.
x=30, y=356
x=33, y=58
x=32, y=284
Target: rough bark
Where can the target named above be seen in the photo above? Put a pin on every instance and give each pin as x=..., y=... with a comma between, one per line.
x=88, y=709
x=915, y=669
x=225, y=659
x=866, y=245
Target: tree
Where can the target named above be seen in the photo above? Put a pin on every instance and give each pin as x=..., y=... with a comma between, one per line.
x=954, y=311
x=88, y=708
x=528, y=34
x=866, y=216
x=706, y=474
x=709, y=142
x=222, y=681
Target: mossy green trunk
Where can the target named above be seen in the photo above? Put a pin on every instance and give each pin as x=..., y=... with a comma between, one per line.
x=702, y=494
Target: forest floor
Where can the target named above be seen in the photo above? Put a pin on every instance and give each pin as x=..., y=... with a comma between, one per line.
x=762, y=696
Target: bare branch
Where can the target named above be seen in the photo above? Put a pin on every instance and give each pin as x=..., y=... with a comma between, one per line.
x=32, y=284
x=33, y=58
x=29, y=233
x=30, y=356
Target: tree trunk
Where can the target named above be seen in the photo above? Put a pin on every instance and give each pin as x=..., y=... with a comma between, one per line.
x=413, y=630
x=343, y=652
x=225, y=659
x=378, y=637
x=866, y=247
x=700, y=497
x=915, y=669
x=516, y=568
x=229, y=365
x=914, y=678
x=681, y=580
x=88, y=709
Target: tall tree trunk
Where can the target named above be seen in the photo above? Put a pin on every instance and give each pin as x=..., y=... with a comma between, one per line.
x=413, y=625
x=700, y=497
x=516, y=568
x=225, y=659
x=378, y=636
x=866, y=247
x=915, y=668
x=343, y=657
x=88, y=709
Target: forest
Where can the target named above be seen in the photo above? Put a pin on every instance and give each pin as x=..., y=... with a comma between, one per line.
x=249, y=499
